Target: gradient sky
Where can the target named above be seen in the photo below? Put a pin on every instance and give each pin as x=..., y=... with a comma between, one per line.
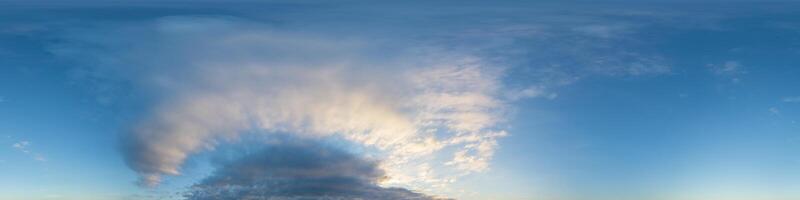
x=517, y=100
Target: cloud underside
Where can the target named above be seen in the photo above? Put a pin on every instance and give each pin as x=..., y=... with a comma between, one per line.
x=295, y=170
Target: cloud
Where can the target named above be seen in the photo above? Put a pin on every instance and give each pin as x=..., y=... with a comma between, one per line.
x=213, y=78
x=791, y=99
x=24, y=147
x=604, y=30
x=727, y=68
x=774, y=111
x=431, y=109
x=530, y=92
x=298, y=169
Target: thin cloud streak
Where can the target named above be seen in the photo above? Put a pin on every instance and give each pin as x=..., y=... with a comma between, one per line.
x=791, y=99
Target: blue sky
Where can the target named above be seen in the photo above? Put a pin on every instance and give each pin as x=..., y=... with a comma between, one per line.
x=512, y=100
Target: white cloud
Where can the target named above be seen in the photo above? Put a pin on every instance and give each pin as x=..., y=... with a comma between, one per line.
x=216, y=78
x=530, y=92
x=24, y=147
x=732, y=70
x=433, y=115
x=39, y=157
x=774, y=111
x=727, y=68
x=21, y=146
x=791, y=99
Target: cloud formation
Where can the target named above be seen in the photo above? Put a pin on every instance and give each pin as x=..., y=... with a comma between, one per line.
x=293, y=169
x=791, y=99
x=431, y=109
x=24, y=147
x=727, y=68
x=214, y=78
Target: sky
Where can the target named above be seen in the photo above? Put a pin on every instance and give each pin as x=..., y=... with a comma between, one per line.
x=473, y=100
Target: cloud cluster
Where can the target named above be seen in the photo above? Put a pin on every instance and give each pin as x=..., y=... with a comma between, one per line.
x=295, y=169
x=431, y=109
x=214, y=78
x=728, y=69
x=24, y=147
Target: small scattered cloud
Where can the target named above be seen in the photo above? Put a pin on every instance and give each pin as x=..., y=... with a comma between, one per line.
x=24, y=147
x=39, y=157
x=731, y=69
x=774, y=111
x=531, y=92
x=727, y=68
x=791, y=99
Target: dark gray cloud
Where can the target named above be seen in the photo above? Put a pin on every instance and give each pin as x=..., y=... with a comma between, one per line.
x=293, y=169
